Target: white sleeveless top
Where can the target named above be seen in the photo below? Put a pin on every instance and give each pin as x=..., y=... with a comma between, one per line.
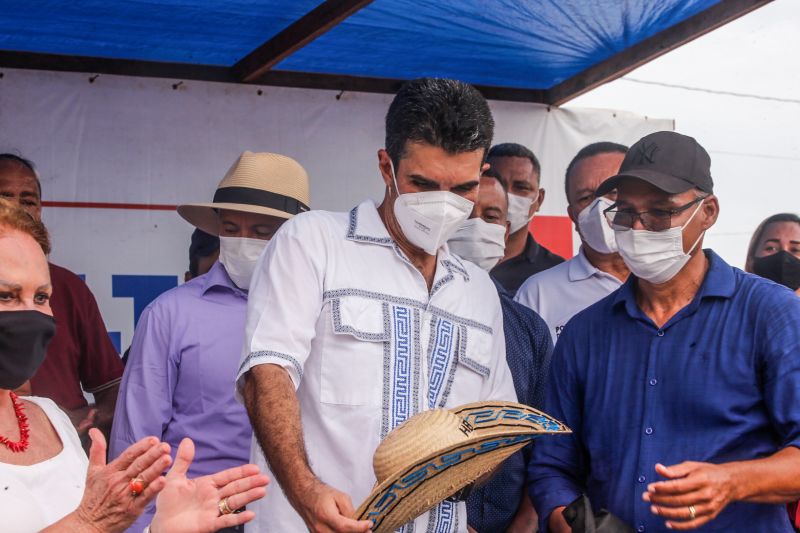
x=35, y=496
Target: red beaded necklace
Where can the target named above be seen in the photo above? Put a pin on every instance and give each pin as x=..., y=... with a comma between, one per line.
x=22, y=444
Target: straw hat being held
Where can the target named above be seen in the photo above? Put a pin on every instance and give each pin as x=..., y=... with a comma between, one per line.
x=436, y=453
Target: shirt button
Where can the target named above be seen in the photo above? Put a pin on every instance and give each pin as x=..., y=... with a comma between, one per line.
x=642, y=479
x=649, y=431
x=661, y=333
x=653, y=382
x=640, y=529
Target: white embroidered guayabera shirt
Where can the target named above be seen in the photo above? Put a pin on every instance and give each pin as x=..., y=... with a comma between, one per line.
x=337, y=304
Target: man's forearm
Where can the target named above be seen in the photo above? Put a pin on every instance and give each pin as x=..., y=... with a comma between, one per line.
x=274, y=411
x=774, y=479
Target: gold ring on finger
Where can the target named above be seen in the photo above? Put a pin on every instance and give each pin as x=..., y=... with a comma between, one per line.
x=223, y=507
x=692, y=512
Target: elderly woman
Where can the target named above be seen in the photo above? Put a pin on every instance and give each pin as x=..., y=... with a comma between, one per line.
x=47, y=482
x=774, y=251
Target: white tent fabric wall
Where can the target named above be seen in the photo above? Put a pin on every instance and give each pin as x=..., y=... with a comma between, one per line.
x=122, y=140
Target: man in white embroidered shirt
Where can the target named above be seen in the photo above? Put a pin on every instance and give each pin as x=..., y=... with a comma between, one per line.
x=366, y=318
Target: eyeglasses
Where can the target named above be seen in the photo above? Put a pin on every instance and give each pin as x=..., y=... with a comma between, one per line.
x=652, y=220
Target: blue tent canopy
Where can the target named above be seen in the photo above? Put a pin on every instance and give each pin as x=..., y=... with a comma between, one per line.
x=531, y=50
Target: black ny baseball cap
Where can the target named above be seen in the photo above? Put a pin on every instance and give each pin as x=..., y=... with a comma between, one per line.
x=670, y=161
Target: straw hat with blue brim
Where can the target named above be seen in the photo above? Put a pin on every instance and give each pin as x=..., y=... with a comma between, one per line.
x=667, y=160
x=436, y=453
x=262, y=183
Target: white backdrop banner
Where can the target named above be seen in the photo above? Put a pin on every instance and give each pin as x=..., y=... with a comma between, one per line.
x=116, y=154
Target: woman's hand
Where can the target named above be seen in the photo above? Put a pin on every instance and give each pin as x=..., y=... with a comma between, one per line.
x=108, y=505
x=193, y=505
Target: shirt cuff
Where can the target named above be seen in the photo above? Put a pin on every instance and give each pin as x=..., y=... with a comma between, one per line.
x=287, y=362
x=547, y=496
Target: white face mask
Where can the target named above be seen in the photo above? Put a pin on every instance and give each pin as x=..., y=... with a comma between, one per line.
x=239, y=256
x=479, y=241
x=518, y=209
x=655, y=256
x=429, y=218
x=594, y=228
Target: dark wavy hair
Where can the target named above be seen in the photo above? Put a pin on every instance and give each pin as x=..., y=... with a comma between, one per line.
x=448, y=114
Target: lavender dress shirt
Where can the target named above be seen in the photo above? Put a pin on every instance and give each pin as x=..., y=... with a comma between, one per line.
x=179, y=380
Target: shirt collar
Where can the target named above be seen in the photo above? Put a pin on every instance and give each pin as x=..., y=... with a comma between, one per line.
x=218, y=277
x=366, y=225
x=720, y=282
x=580, y=268
x=531, y=249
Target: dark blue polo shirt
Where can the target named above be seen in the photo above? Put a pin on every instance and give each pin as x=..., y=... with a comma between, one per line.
x=719, y=382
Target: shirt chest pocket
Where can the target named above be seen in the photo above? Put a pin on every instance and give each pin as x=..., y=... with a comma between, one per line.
x=353, y=351
x=457, y=373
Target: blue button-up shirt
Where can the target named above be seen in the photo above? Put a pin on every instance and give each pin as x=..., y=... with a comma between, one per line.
x=719, y=382
x=529, y=348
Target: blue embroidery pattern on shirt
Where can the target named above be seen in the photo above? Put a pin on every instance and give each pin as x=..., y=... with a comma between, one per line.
x=270, y=354
x=408, y=302
x=439, y=360
x=445, y=519
x=351, y=231
x=401, y=390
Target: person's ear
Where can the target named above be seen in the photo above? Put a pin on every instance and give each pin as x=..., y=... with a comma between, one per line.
x=485, y=167
x=710, y=211
x=385, y=168
x=508, y=231
x=573, y=216
x=538, y=203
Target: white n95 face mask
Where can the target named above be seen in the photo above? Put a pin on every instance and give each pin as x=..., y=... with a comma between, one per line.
x=518, y=209
x=429, y=218
x=594, y=228
x=239, y=256
x=655, y=256
x=480, y=242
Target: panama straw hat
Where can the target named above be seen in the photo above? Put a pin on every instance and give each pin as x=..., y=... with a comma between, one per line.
x=436, y=453
x=269, y=184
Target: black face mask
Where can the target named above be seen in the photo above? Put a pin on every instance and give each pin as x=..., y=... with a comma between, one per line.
x=24, y=336
x=783, y=268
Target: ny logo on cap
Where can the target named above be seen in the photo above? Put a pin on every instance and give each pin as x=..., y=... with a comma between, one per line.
x=647, y=153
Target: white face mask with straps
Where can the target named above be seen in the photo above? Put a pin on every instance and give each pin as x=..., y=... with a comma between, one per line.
x=594, y=228
x=656, y=256
x=239, y=256
x=428, y=219
x=480, y=242
x=518, y=209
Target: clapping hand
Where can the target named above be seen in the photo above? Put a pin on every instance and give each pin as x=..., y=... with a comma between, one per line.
x=108, y=503
x=205, y=504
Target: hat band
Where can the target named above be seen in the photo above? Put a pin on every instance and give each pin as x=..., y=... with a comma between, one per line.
x=250, y=196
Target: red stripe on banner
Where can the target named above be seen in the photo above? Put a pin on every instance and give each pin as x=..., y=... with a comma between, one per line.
x=111, y=205
x=554, y=233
